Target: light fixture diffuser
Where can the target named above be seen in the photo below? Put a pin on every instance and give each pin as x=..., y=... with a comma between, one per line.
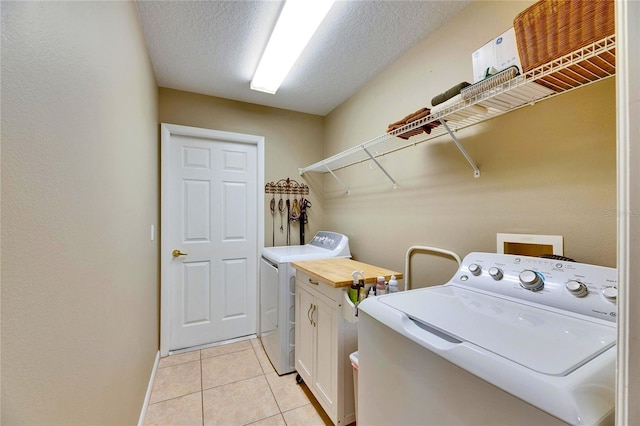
x=298, y=21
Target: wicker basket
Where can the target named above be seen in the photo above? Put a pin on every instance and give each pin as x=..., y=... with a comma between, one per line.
x=550, y=29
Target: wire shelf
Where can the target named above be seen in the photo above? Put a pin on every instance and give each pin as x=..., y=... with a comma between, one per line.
x=591, y=63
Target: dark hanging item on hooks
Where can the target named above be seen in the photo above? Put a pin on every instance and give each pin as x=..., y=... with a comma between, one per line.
x=272, y=207
x=289, y=187
x=288, y=222
x=304, y=204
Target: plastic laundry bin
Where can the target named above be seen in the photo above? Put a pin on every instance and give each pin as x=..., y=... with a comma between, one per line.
x=354, y=362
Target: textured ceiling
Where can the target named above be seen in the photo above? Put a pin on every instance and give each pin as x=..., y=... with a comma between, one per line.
x=213, y=47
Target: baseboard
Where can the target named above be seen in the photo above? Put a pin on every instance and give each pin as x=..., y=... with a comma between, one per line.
x=147, y=397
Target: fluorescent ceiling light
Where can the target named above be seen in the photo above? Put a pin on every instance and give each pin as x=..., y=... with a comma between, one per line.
x=298, y=21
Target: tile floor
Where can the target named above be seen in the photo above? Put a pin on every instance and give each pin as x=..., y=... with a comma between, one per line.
x=232, y=384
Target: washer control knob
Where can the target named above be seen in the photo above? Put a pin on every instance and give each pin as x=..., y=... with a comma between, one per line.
x=496, y=273
x=610, y=293
x=530, y=280
x=475, y=269
x=576, y=288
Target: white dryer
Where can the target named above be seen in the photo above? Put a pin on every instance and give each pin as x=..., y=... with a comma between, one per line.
x=509, y=340
x=277, y=293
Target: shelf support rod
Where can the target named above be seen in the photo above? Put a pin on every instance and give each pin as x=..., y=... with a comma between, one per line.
x=476, y=171
x=338, y=179
x=395, y=184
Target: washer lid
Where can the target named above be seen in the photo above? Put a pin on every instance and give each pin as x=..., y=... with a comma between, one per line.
x=284, y=254
x=542, y=340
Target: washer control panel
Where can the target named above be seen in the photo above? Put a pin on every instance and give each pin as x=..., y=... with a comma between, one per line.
x=576, y=287
x=332, y=241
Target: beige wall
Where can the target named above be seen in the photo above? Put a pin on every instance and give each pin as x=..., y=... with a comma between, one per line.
x=79, y=194
x=292, y=139
x=545, y=169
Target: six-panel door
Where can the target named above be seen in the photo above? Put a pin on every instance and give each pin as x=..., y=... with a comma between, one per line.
x=212, y=192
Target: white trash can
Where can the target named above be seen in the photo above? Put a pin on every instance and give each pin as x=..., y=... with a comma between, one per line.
x=354, y=362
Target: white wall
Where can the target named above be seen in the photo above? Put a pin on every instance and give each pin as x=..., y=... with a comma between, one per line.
x=79, y=194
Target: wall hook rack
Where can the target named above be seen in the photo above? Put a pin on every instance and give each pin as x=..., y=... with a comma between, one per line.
x=286, y=187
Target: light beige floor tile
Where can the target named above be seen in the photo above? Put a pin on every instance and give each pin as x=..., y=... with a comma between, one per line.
x=225, y=349
x=229, y=368
x=256, y=343
x=183, y=411
x=170, y=360
x=288, y=393
x=307, y=415
x=276, y=420
x=266, y=365
x=239, y=403
x=175, y=381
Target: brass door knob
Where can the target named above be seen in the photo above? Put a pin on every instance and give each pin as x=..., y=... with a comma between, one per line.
x=178, y=253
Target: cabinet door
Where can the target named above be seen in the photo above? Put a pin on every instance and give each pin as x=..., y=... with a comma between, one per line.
x=325, y=378
x=305, y=334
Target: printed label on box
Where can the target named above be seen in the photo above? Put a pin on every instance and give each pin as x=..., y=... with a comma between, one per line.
x=496, y=55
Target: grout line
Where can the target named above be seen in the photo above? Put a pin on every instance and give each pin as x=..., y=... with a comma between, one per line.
x=172, y=398
x=176, y=366
x=178, y=363
x=273, y=394
x=226, y=353
x=255, y=352
x=237, y=381
x=272, y=370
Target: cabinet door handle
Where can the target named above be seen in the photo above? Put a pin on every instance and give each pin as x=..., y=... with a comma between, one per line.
x=312, y=312
x=313, y=282
x=309, y=314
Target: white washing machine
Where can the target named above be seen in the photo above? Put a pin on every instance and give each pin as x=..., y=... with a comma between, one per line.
x=508, y=340
x=277, y=293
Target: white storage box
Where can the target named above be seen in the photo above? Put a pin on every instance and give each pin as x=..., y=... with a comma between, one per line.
x=496, y=55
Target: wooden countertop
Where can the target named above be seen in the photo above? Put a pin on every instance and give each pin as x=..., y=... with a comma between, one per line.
x=337, y=272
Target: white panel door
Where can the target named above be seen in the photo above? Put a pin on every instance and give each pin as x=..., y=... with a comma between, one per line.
x=211, y=194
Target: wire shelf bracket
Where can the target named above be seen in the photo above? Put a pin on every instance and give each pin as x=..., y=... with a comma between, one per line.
x=395, y=184
x=338, y=179
x=476, y=170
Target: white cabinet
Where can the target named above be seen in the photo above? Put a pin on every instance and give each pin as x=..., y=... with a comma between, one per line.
x=305, y=334
x=324, y=341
